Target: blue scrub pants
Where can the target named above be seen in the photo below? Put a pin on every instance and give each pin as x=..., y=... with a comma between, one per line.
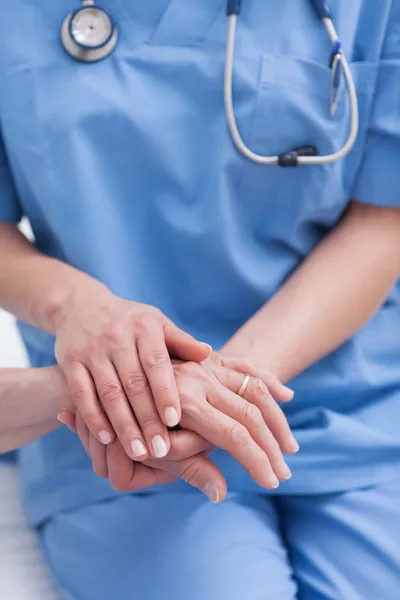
x=251, y=547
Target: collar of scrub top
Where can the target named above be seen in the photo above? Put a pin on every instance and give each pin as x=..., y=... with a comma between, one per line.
x=306, y=155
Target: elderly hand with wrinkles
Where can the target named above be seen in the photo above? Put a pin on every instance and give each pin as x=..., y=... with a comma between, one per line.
x=252, y=428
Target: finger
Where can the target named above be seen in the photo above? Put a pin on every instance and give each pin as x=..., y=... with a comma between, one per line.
x=257, y=393
x=126, y=475
x=184, y=346
x=158, y=368
x=136, y=386
x=279, y=391
x=67, y=419
x=185, y=444
x=83, y=432
x=200, y=473
x=98, y=453
x=252, y=419
x=115, y=404
x=222, y=431
x=83, y=392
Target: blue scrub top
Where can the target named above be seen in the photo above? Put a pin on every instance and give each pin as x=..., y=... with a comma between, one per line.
x=126, y=170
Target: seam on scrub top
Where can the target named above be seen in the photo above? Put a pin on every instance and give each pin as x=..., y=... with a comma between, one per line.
x=202, y=42
x=363, y=151
x=120, y=6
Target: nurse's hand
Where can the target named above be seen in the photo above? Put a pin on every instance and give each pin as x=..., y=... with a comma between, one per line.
x=115, y=355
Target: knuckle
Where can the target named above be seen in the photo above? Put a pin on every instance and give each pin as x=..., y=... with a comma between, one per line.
x=91, y=421
x=78, y=390
x=157, y=358
x=124, y=429
x=156, y=312
x=136, y=383
x=191, y=473
x=231, y=380
x=218, y=360
x=110, y=392
x=73, y=355
x=125, y=478
x=149, y=419
x=245, y=363
x=251, y=414
x=120, y=484
x=237, y=434
x=94, y=346
x=186, y=399
x=260, y=388
x=142, y=321
x=190, y=369
x=114, y=334
x=100, y=470
x=190, y=402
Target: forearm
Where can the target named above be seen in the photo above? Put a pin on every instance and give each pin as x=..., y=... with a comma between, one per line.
x=35, y=288
x=30, y=400
x=12, y=440
x=331, y=295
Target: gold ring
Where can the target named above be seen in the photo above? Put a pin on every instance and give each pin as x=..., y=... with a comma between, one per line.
x=244, y=385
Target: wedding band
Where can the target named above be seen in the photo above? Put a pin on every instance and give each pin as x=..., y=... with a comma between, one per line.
x=244, y=385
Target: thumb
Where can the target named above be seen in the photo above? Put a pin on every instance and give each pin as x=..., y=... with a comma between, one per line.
x=68, y=419
x=198, y=472
x=184, y=346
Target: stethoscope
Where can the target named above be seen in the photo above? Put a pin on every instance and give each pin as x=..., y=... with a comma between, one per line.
x=89, y=34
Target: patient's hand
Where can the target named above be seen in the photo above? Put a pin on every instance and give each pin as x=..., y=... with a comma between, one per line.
x=186, y=460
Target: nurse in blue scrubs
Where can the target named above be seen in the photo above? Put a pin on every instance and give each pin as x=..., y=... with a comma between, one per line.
x=139, y=197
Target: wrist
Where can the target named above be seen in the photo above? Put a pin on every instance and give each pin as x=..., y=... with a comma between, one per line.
x=79, y=291
x=49, y=386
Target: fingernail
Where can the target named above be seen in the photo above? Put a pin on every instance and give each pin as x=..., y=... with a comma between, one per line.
x=171, y=417
x=293, y=444
x=59, y=417
x=212, y=492
x=287, y=473
x=289, y=392
x=160, y=448
x=138, y=448
x=105, y=437
x=208, y=346
x=273, y=481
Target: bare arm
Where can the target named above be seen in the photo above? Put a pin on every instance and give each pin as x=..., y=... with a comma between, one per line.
x=35, y=288
x=330, y=296
x=30, y=400
x=114, y=353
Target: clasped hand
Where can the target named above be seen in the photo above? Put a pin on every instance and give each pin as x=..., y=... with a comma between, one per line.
x=253, y=429
x=127, y=393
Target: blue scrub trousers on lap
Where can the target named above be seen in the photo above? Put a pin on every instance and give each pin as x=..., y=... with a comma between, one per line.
x=251, y=547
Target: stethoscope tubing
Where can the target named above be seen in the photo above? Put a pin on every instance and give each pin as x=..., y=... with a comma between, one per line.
x=230, y=111
x=292, y=158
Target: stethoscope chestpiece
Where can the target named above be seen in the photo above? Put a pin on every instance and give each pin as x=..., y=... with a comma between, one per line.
x=89, y=34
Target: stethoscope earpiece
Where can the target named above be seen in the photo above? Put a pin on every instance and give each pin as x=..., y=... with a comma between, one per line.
x=89, y=34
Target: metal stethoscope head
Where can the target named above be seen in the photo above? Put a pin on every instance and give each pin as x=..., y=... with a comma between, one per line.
x=89, y=34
